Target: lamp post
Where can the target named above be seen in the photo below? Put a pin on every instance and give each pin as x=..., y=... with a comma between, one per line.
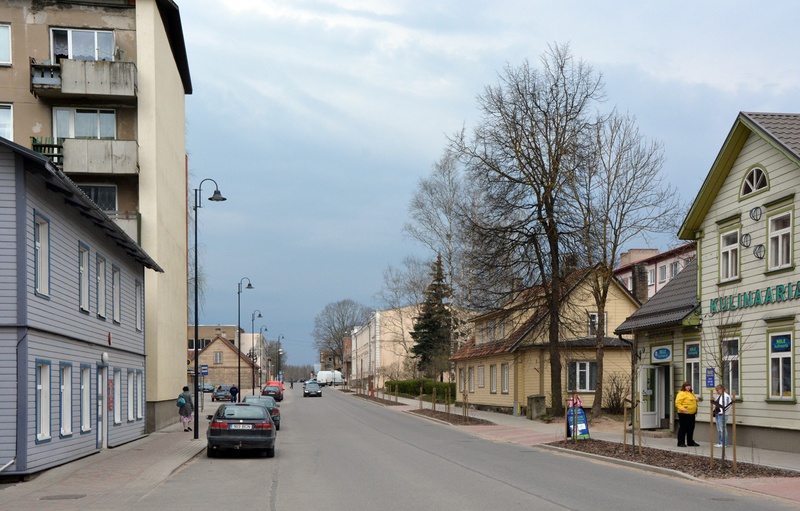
x=239, y=335
x=216, y=197
x=253, y=347
x=278, y=362
x=262, y=354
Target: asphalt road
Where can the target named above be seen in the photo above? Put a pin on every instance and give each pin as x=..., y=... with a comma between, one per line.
x=338, y=453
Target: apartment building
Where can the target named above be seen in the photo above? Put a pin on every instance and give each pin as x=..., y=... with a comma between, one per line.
x=98, y=86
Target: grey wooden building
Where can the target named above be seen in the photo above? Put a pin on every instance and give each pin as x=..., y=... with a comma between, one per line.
x=72, y=342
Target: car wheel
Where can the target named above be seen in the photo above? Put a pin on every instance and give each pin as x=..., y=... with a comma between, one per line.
x=269, y=453
x=211, y=453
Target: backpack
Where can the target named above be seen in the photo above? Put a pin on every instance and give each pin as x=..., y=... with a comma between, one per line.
x=181, y=401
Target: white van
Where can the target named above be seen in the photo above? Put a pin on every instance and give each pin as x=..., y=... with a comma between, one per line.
x=331, y=378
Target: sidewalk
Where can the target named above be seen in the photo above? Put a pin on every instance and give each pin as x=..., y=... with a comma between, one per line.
x=117, y=478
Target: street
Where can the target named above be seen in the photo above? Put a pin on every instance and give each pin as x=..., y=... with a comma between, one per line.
x=339, y=452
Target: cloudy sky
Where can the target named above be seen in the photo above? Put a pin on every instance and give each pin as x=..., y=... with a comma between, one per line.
x=318, y=118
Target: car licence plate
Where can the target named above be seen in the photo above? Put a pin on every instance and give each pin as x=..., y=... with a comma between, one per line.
x=241, y=426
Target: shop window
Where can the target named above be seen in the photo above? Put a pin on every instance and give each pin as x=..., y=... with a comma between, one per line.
x=692, y=365
x=780, y=366
x=730, y=365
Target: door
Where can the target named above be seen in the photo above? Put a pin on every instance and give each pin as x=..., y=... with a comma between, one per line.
x=102, y=401
x=648, y=397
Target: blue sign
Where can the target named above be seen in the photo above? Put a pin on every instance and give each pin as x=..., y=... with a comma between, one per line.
x=577, y=415
x=662, y=354
x=710, y=378
x=693, y=351
x=204, y=370
x=781, y=343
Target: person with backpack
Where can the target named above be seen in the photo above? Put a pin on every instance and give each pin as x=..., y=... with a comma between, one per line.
x=186, y=408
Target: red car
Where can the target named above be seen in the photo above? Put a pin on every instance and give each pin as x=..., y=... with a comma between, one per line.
x=274, y=391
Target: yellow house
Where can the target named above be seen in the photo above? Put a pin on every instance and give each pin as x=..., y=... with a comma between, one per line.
x=508, y=357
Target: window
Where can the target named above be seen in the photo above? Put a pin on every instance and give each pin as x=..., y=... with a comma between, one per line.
x=730, y=364
x=41, y=254
x=493, y=379
x=82, y=44
x=692, y=354
x=66, y=399
x=651, y=276
x=86, y=398
x=85, y=123
x=217, y=357
x=101, y=287
x=504, y=378
x=139, y=306
x=674, y=269
x=105, y=196
x=5, y=45
x=139, y=394
x=115, y=294
x=582, y=376
x=593, y=323
x=83, y=276
x=755, y=180
x=780, y=366
x=729, y=256
x=662, y=273
x=481, y=382
x=131, y=398
x=6, y=122
x=42, y=400
x=780, y=241
x=117, y=395
x=461, y=382
x=471, y=378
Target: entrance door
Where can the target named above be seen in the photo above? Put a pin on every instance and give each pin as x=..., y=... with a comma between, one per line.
x=102, y=401
x=648, y=397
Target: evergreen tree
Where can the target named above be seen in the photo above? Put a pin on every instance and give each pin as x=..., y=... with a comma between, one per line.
x=433, y=327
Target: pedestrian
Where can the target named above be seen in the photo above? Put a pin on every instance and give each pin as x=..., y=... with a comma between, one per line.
x=686, y=403
x=721, y=405
x=186, y=411
x=234, y=393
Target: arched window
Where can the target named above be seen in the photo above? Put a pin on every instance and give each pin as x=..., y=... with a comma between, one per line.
x=756, y=180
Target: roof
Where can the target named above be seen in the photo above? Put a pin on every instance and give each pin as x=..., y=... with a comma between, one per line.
x=670, y=306
x=57, y=181
x=673, y=252
x=781, y=131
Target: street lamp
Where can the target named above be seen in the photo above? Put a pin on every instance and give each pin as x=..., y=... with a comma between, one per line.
x=216, y=197
x=278, y=362
x=253, y=347
x=239, y=334
x=262, y=353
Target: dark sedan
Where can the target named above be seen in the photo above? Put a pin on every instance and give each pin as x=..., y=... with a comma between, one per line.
x=271, y=405
x=272, y=391
x=241, y=426
x=312, y=389
x=222, y=393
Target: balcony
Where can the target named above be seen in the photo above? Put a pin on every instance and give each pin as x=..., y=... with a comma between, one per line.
x=130, y=221
x=90, y=156
x=96, y=80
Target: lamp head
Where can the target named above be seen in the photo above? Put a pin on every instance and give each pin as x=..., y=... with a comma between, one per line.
x=250, y=286
x=217, y=197
x=259, y=315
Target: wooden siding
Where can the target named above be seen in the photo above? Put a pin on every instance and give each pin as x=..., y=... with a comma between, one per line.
x=8, y=239
x=8, y=398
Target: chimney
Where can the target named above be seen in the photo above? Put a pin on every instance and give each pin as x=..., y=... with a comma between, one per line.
x=639, y=282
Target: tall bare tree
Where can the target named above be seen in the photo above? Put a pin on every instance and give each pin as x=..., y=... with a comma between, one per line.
x=622, y=196
x=336, y=322
x=534, y=134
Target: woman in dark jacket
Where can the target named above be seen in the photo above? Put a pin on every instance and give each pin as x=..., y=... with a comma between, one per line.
x=187, y=410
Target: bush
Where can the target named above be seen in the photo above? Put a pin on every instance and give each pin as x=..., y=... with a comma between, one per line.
x=411, y=388
x=616, y=390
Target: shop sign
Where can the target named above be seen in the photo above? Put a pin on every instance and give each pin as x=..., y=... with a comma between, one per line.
x=663, y=354
x=781, y=343
x=774, y=294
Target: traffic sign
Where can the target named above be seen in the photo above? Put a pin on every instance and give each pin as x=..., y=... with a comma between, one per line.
x=204, y=370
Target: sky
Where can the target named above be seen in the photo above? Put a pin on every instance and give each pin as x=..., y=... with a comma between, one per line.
x=318, y=119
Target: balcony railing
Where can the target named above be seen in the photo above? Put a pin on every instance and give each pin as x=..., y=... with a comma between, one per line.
x=98, y=80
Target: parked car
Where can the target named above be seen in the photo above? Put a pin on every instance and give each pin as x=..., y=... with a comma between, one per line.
x=222, y=393
x=331, y=378
x=272, y=406
x=275, y=383
x=312, y=389
x=241, y=426
x=206, y=387
x=273, y=391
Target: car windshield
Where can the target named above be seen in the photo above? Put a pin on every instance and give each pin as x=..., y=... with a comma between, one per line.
x=242, y=412
x=312, y=386
x=262, y=400
x=272, y=389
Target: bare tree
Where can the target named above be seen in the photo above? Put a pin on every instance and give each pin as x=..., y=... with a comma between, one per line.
x=336, y=322
x=524, y=154
x=622, y=196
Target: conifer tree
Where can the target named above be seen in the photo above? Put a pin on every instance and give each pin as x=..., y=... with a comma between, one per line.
x=433, y=327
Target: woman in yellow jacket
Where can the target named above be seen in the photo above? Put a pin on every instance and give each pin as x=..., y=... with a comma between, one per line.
x=686, y=403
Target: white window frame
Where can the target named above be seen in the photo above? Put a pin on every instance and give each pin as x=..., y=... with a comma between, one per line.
x=504, y=375
x=139, y=394
x=579, y=376
x=131, y=396
x=471, y=378
x=731, y=366
x=651, y=276
x=139, y=305
x=60, y=132
x=493, y=379
x=117, y=396
x=66, y=399
x=217, y=357
x=70, y=46
x=593, y=320
x=116, y=294
x=83, y=277
x=481, y=381
x=692, y=366
x=780, y=241
x=102, y=285
x=662, y=273
x=754, y=181
x=86, y=398
x=780, y=362
x=41, y=254
x=674, y=269
x=5, y=45
x=461, y=380
x=729, y=255
x=8, y=130
x=43, y=404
